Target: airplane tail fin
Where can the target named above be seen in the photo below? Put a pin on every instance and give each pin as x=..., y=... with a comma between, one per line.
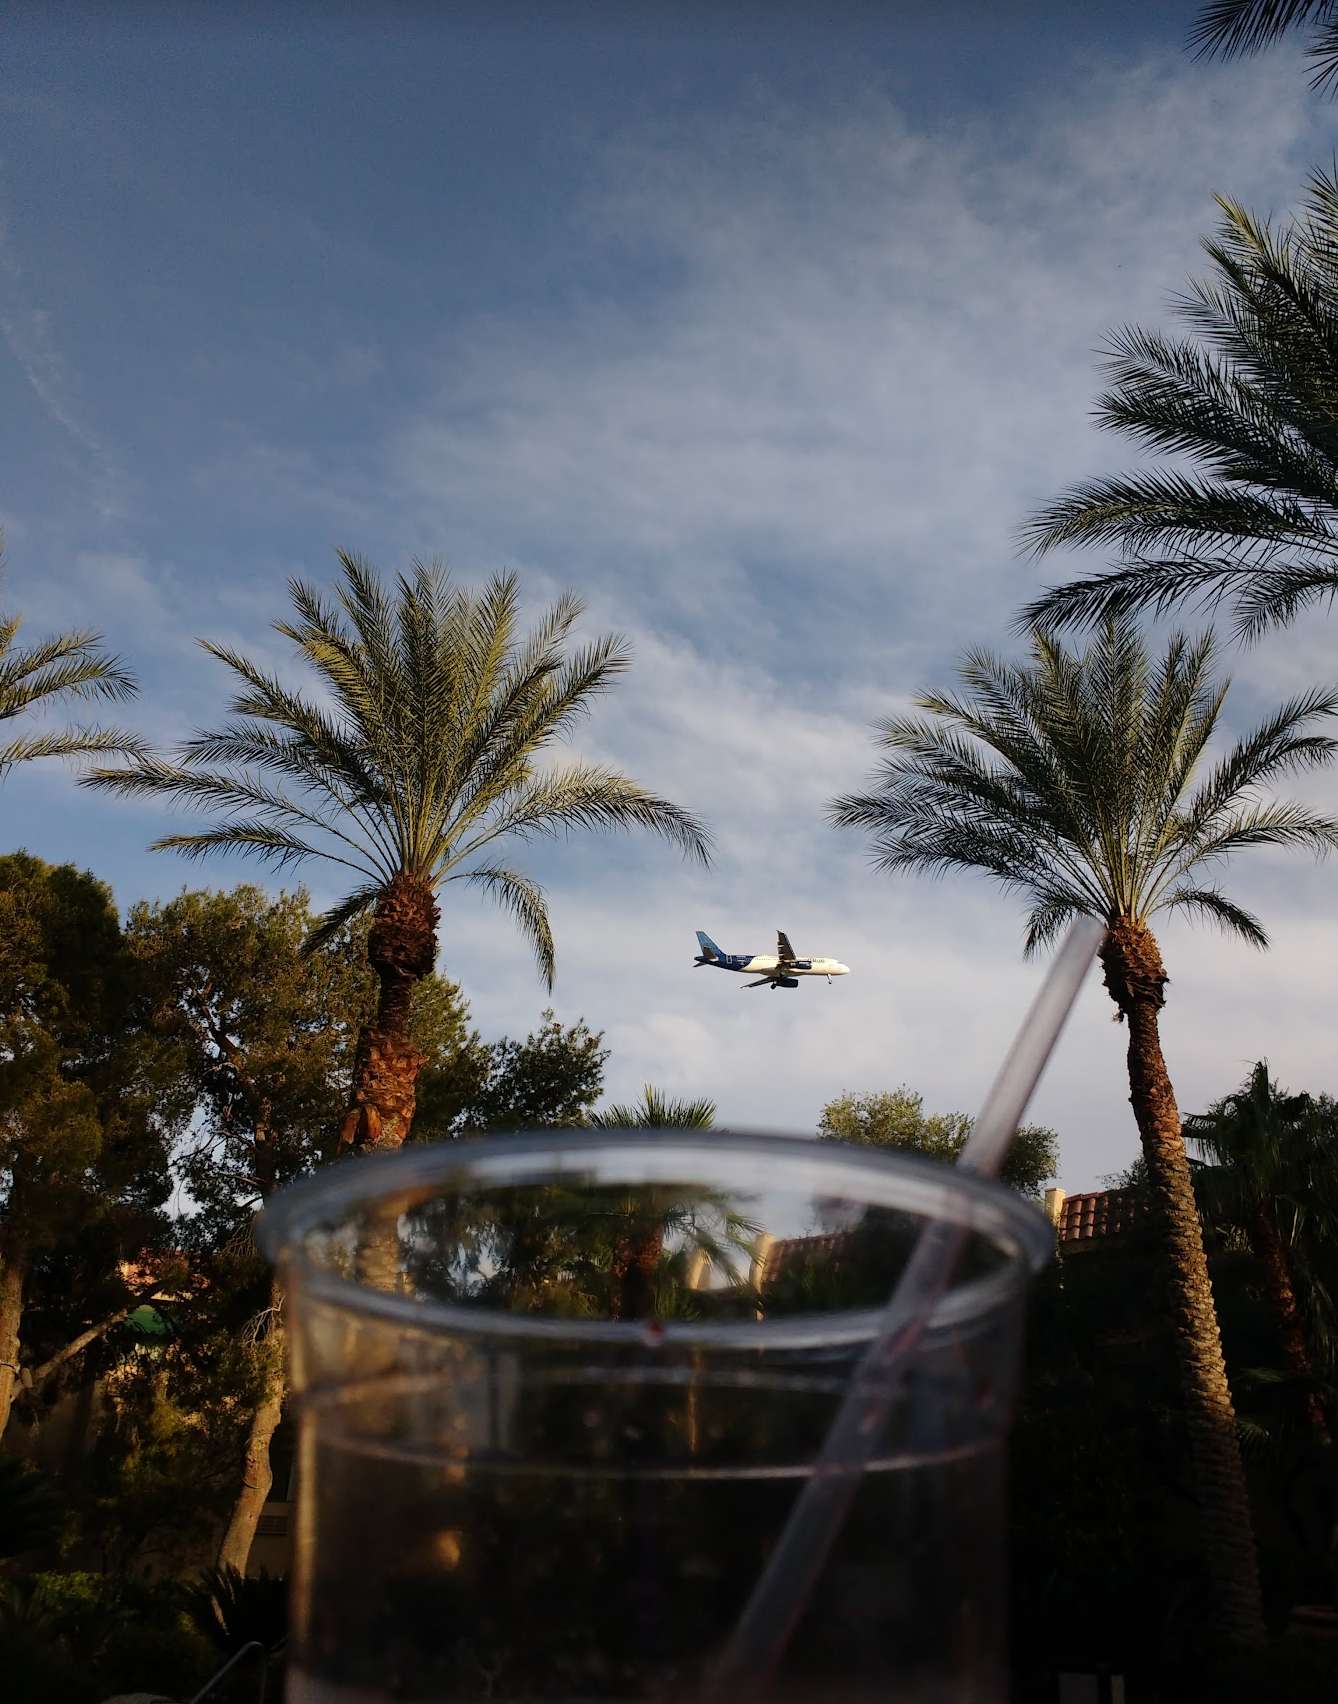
x=710, y=953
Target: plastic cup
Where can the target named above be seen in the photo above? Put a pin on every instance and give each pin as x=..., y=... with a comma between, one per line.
x=558, y=1394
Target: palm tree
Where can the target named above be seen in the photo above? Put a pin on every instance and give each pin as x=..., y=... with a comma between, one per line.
x=1071, y=780
x=69, y=665
x=1252, y=399
x=1232, y=27
x=1273, y=1173
x=419, y=756
x=656, y=1110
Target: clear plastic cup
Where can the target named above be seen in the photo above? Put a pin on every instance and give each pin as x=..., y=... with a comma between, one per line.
x=557, y=1395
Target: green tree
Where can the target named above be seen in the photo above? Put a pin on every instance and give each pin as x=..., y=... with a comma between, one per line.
x=1074, y=781
x=1273, y=1174
x=1236, y=27
x=898, y=1120
x=162, y=1473
x=425, y=756
x=553, y=1077
x=83, y=1154
x=262, y=1034
x=1250, y=400
x=67, y=666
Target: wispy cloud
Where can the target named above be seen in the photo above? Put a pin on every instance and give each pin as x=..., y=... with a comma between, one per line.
x=780, y=427
x=793, y=466
x=860, y=353
x=30, y=334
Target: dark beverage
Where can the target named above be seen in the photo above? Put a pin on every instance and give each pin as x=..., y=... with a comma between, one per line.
x=432, y=1582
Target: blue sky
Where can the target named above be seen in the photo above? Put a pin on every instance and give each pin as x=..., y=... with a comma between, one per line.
x=762, y=333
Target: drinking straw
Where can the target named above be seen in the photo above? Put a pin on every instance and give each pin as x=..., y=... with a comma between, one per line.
x=781, y=1593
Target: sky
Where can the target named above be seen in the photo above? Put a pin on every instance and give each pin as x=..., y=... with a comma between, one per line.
x=763, y=328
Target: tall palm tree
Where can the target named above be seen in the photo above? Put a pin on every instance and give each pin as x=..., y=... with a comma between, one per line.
x=1232, y=27
x=66, y=666
x=1073, y=780
x=420, y=753
x=1274, y=1174
x=1252, y=400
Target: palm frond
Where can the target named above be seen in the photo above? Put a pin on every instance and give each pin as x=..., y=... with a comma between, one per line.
x=1253, y=400
x=535, y=707
x=356, y=904
x=1248, y=416
x=655, y=1109
x=1280, y=746
x=1231, y=918
x=1072, y=781
x=273, y=845
x=55, y=670
x=1184, y=517
x=1284, y=825
x=1047, y=922
x=1263, y=598
x=586, y=796
x=70, y=665
x=325, y=745
x=71, y=742
x=278, y=830
x=1230, y=28
x=524, y=899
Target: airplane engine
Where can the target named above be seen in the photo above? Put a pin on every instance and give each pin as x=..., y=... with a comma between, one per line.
x=786, y=982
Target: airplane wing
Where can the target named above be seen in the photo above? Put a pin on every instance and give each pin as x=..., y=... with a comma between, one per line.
x=759, y=982
x=784, y=951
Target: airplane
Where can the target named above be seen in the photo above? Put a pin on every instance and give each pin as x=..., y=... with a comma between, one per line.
x=782, y=971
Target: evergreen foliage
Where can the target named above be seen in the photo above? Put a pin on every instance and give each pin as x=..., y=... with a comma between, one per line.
x=553, y=1077
x=84, y=1147
x=897, y=1119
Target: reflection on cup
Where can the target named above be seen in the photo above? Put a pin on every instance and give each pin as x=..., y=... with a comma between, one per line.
x=557, y=1395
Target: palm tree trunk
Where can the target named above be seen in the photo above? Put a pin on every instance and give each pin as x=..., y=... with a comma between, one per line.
x=1272, y=1258
x=402, y=949
x=13, y=1275
x=1135, y=977
x=257, y=1476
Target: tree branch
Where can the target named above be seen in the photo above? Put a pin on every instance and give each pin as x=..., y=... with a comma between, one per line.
x=41, y=1374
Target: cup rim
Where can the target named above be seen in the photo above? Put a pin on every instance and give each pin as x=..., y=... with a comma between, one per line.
x=875, y=1176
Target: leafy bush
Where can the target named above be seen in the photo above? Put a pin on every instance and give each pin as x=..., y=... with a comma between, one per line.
x=82, y=1636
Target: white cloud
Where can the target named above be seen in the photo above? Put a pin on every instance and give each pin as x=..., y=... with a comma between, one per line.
x=790, y=463
x=793, y=468
x=868, y=352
